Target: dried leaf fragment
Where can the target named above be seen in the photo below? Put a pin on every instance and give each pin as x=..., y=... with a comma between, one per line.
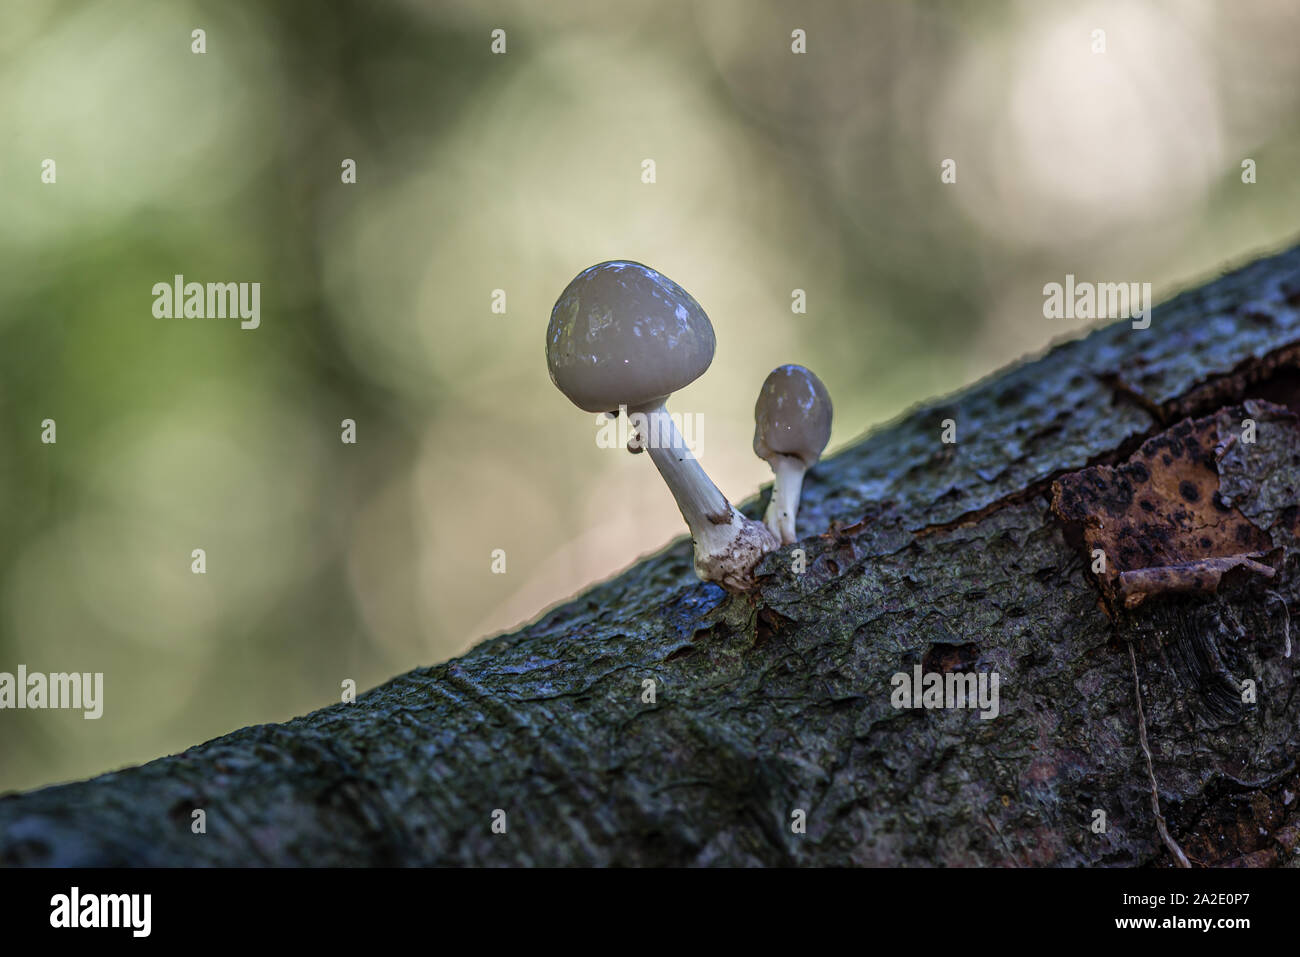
x=1202, y=576
x=1161, y=518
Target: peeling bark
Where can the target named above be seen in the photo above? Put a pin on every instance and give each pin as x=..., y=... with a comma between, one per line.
x=950, y=557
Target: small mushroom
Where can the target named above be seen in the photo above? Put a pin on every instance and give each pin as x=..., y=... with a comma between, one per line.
x=622, y=334
x=792, y=423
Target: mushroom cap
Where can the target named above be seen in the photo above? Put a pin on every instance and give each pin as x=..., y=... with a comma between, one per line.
x=623, y=334
x=792, y=415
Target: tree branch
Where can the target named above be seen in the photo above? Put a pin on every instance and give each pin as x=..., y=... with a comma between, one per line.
x=778, y=707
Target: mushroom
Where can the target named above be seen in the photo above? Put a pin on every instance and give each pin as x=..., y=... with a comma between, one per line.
x=622, y=334
x=792, y=423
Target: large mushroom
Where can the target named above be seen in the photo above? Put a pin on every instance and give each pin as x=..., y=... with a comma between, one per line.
x=623, y=335
x=792, y=423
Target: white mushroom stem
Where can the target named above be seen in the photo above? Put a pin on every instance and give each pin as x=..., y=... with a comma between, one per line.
x=784, y=506
x=727, y=544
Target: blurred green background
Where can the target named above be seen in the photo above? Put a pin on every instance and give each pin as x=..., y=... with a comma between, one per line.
x=476, y=172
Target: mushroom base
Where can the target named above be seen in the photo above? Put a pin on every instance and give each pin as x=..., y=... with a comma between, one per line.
x=729, y=554
x=727, y=544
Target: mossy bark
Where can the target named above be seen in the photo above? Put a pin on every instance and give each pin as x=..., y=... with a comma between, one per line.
x=774, y=707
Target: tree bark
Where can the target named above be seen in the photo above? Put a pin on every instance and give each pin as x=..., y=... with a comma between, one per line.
x=772, y=737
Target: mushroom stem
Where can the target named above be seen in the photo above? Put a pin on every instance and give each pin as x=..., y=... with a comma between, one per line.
x=698, y=498
x=727, y=544
x=784, y=505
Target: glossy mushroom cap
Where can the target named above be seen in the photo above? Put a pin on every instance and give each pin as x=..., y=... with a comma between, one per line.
x=623, y=334
x=792, y=415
